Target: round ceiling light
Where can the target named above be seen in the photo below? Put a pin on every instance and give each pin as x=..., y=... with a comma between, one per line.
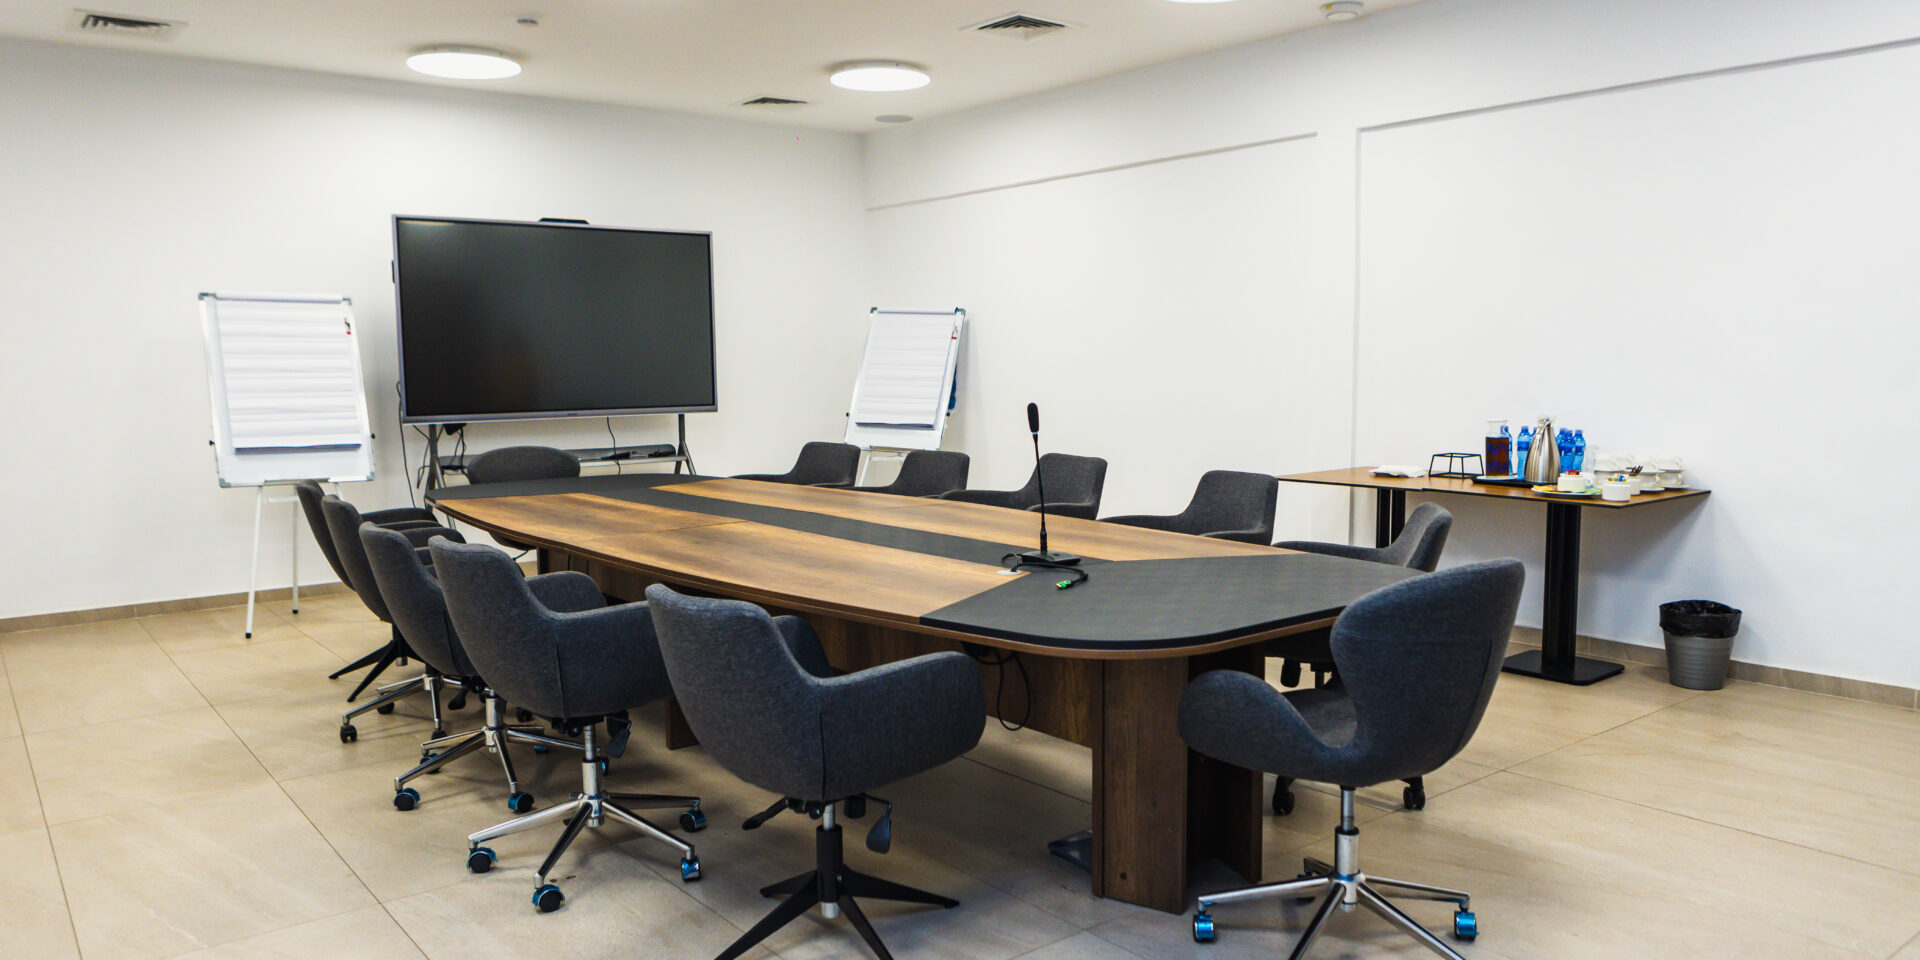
x=463, y=63
x=879, y=76
x=1340, y=10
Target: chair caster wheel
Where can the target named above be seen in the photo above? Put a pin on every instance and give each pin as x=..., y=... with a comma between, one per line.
x=1465, y=925
x=548, y=898
x=526, y=716
x=520, y=802
x=480, y=859
x=437, y=733
x=1282, y=801
x=348, y=734
x=1414, y=798
x=689, y=869
x=406, y=798
x=693, y=821
x=383, y=709
x=457, y=703
x=1203, y=927
x=541, y=748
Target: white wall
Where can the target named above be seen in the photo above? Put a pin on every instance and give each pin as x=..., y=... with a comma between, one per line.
x=1764, y=214
x=129, y=183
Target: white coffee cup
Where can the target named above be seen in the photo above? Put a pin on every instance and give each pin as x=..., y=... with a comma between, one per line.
x=1673, y=479
x=1650, y=481
x=1616, y=491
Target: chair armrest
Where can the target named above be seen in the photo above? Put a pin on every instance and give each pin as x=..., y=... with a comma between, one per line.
x=895, y=720
x=1240, y=719
x=387, y=518
x=568, y=591
x=804, y=644
x=1255, y=537
x=609, y=658
x=1332, y=549
x=418, y=536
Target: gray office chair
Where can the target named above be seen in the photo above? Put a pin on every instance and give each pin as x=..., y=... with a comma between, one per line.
x=309, y=493
x=344, y=522
x=1226, y=504
x=512, y=464
x=564, y=655
x=771, y=720
x=821, y=464
x=1418, y=547
x=927, y=473
x=1073, y=487
x=1418, y=661
x=419, y=609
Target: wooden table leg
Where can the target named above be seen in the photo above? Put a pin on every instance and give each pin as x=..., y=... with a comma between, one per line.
x=1156, y=806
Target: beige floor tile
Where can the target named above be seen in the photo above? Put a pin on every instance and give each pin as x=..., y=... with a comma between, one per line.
x=615, y=908
x=352, y=641
x=299, y=736
x=91, y=673
x=1035, y=757
x=1083, y=946
x=159, y=881
x=19, y=797
x=216, y=629
x=276, y=668
x=1561, y=872
x=166, y=759
x=323, y=612
x=33, y=910
x=1911, y=951
x=9, y=717
x=398, y=854
x=364, y=934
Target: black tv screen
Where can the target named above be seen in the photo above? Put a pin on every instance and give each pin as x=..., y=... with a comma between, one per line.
x=504, y=320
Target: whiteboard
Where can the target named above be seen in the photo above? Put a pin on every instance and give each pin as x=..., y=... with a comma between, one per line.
x=905, y=388
x=285, y=389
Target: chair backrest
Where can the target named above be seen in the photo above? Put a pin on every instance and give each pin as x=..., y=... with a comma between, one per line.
x=824, y=462
x=343, y=523
x=752, y=705
x=1232, y=500
x=509, y=464
x=1420, y=658
x=930, y=473
x=503, y=629
x=414, y=600
x=1070, y=479
x=1419, y=544
x=310, y=494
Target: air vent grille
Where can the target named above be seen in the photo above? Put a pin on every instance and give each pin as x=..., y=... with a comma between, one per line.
x=113, y=24
x=774, y=103
x=1018, y=25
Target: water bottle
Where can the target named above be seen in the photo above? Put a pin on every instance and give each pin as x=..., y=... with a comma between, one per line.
x=1579, y=450
x=1520, y=448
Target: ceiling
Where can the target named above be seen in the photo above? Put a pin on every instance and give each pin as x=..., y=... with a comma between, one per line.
x=702, y=56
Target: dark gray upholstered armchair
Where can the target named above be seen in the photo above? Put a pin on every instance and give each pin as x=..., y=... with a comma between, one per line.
x=1073, y=487
x=511, y=464
x=821, y=464
x=927, y=473
x=1418, y=547
x=1417, y=664
x=559, y=651
x=343, y=524
x=1227, y=504
x=309, y=493
x=419, y=610
x=772, y=719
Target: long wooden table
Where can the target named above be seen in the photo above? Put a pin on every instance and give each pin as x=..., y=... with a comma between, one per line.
x=1556, y=659
x=884, y=578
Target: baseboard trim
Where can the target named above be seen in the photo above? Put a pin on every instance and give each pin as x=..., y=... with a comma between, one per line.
x=1845, y=688
x=41, y=621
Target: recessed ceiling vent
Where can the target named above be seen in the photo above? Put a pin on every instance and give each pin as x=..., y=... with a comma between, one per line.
x=113, y=24
x=1018, y=25
x=774, y=103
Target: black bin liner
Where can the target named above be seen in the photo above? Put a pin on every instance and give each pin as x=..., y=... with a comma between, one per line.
x=1699, y=618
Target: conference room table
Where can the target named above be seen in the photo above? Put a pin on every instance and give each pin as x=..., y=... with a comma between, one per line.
x=1556, y=659
x=884, y=578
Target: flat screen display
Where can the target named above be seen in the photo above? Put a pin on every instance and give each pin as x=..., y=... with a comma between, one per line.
x=503, y=320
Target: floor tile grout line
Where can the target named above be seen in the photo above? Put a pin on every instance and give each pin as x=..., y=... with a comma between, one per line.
x=1902, y=948
x=53, y=849
x=1044, y=786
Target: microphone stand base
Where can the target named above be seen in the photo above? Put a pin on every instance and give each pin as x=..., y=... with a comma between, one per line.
x=1048, y=557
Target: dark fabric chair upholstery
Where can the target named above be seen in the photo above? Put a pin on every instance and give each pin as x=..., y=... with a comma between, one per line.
x=508, y=464
x=310, y=493
x=343, y=523
x=927, y=473
x=821, y=464
x=1417, y=663
x=773, y=722
x=1227, y=504
x=1418, y=546
x=1073, y=484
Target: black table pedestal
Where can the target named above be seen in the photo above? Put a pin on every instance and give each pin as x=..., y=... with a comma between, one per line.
x=1555, y=660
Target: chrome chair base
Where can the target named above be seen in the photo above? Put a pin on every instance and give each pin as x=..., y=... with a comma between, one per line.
x=1341, y=885
x=494, y=736
x=590, y=808
x=428, y=683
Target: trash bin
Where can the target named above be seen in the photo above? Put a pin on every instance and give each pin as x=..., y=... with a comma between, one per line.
x=1699, y=642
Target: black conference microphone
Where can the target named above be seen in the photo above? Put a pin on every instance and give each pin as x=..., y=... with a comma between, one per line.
x=1043, y=555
